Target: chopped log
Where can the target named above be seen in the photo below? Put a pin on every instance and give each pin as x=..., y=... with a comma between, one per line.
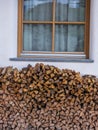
x=45, y=97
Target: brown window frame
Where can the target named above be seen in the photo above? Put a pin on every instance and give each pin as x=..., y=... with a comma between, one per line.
x=21, y=53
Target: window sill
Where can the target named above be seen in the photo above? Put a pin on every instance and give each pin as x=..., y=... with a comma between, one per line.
x=52, y=60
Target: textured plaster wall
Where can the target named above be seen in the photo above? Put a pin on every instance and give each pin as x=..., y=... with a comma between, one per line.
x=8, y=39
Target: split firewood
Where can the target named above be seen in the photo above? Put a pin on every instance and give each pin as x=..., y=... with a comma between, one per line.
x=44, y=97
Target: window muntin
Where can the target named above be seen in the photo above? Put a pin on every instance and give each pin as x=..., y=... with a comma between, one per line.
x=54, y=26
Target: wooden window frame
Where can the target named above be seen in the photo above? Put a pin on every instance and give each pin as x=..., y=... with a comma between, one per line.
x=21, y=53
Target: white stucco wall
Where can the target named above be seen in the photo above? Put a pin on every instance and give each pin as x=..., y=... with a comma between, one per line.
x=8, y=39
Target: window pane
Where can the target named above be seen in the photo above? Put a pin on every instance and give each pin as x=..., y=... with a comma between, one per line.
x=37, y=37
x=38, y=10
x=69, y=38
x=70, y=10
x=62, y=10
x=76, y=10
x=61, y=35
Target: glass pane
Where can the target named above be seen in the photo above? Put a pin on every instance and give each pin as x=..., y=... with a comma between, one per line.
x=76, y=10
x=61, y=35
x=69, y=38
x=70, y=10
x=37, y=37
x=76, y=38
x=62, y=10
x=38, y=10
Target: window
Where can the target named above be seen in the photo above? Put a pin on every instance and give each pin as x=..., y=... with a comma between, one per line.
x=53, y=28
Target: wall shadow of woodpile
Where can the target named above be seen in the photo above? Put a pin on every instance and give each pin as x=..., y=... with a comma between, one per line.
x=45, y=97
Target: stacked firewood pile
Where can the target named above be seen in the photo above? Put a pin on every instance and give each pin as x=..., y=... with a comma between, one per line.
x=47, y=98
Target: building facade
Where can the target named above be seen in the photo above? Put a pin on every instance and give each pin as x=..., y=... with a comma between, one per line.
x=9, y=38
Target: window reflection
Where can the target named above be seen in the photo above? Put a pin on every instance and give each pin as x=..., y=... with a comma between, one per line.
x=38, y=10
